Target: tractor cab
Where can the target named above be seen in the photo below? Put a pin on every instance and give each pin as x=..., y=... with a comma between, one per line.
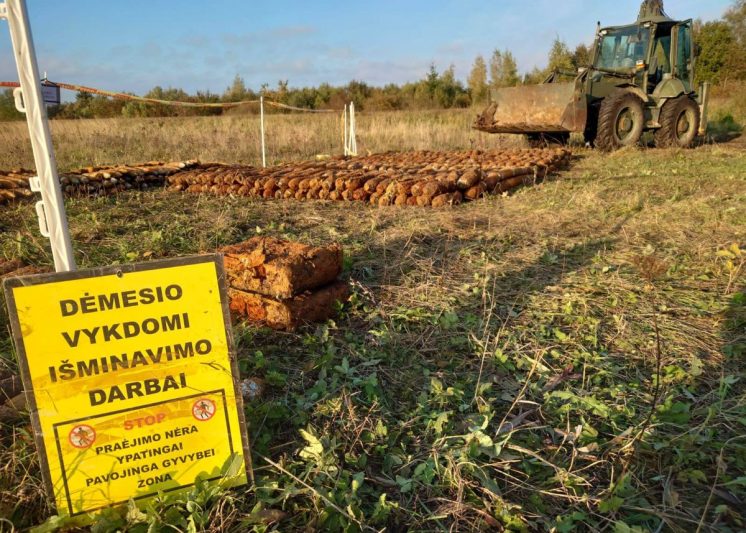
x=649, y=54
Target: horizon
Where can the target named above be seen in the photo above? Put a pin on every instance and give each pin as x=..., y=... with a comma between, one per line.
x=146, y=46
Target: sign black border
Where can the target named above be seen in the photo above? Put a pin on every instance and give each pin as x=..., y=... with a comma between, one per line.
x=151, y=494
x=10, y=284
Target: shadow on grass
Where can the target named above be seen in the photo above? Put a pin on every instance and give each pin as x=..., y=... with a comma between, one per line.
x=723, y=128
x=734, y=327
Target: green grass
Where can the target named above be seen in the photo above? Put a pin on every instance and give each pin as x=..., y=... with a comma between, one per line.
x=568, y=357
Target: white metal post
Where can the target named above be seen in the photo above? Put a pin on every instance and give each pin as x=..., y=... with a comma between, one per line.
x=261, y=121
x=51, y=210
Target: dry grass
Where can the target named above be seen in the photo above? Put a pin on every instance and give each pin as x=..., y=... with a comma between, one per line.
x=496, y=367
x=236, y=139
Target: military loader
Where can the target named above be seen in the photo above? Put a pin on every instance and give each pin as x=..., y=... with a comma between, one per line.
x=641, y=78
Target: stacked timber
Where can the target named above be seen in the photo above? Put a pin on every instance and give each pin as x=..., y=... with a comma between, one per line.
x=421, y=178
x=283, y=284
x=95, y=181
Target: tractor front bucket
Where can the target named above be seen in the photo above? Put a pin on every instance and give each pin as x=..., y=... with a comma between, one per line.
x=545, y=108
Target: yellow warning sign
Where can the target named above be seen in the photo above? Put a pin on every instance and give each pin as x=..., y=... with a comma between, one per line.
x=131, y=378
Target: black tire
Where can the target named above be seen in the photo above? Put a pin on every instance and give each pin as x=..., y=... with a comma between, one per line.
x=542, y=140
x=679, y=123
x=621, y=120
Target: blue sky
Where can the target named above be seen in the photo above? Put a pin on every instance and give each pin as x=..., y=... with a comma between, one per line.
x=135, y=45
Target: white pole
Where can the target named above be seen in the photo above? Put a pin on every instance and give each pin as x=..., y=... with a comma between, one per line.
x=53, y=218
x=261, y=120
x=344, y=139
x=353, y=137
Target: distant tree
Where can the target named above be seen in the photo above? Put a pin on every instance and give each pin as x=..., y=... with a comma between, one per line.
x=8, y=106
x=716, y=42
x=387, y=98
x=496, y=68
x=104, y=107
x=209, y=97
x=510, y=69
x=503, y=69
x=142, y=109
x=324, y=94
x=447, y=88
x=82, y=105
x=581, y=57
x=560, y=57
x=735, y=17
x=358, y=92
x=536, y=75
x=282, y=91
x=432, y=80
x=304, y=98
x=237, y=91
x=478, y=80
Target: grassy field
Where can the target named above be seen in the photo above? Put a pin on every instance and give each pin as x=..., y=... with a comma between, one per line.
x=568, y=357
x=236, y=138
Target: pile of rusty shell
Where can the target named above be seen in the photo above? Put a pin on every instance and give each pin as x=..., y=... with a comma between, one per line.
x=421, y=178
x=402, y=179
x=99, y=181
x=95, y=181
x=14, y=184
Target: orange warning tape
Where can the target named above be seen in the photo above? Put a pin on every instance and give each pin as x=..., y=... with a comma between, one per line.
x=123, y=96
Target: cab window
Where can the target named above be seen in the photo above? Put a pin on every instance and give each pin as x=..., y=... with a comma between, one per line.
x=621, y=49
x=684, y=54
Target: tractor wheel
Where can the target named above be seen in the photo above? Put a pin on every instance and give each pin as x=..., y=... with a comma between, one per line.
x=679, y=123
x=621, y=120
x=543, y=140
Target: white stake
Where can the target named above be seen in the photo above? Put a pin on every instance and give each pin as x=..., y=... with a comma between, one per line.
x=51, y=209
x=261, y=120
x=350, y=141
x=353, y=136
x=344, y=135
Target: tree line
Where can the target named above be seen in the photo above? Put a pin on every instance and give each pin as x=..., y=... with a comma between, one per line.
x=721, y=60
